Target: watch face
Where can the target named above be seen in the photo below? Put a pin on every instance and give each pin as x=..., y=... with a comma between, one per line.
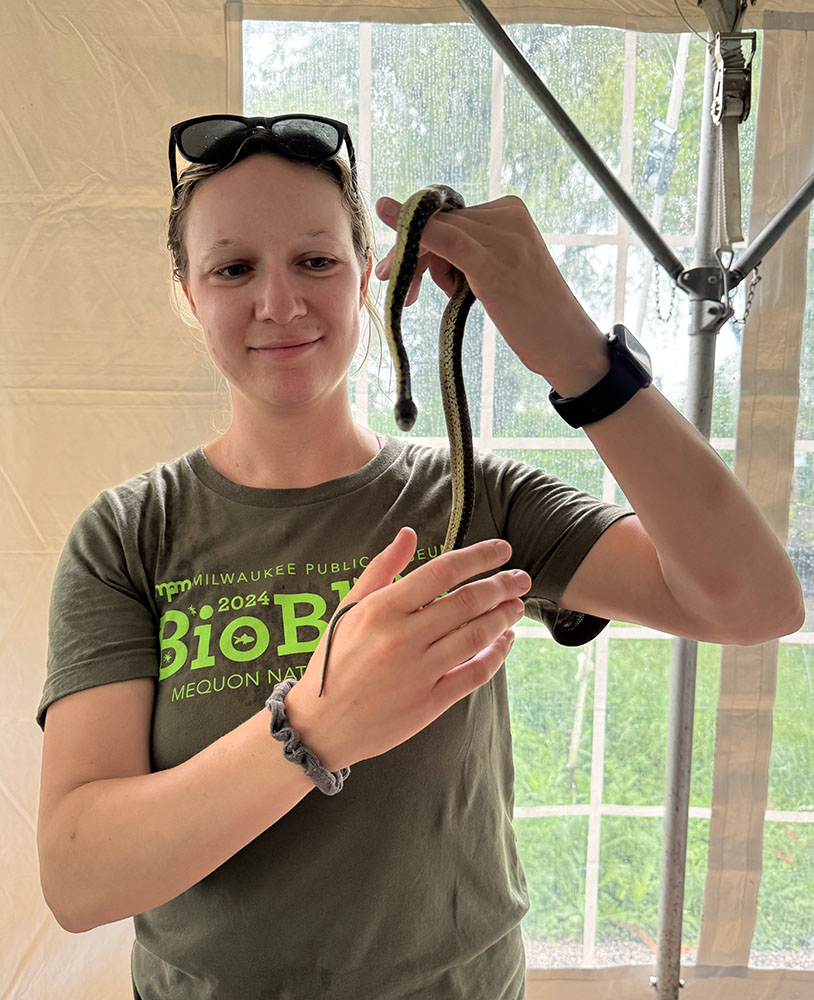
x=628, y=345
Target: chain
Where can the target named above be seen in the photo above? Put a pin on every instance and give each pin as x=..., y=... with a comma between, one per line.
x=739, y=324
x=664, y=319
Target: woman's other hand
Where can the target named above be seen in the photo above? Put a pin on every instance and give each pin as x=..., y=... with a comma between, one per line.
x=405, y=654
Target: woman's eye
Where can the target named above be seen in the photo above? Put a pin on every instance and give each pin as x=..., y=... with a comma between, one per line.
x=231, y=271
x=319, y=263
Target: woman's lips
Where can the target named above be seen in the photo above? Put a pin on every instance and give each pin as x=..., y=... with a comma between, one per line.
x=281, y=351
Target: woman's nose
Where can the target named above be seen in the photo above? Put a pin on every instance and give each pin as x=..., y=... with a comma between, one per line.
x=278, y=298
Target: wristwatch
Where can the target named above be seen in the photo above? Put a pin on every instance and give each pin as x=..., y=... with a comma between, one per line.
x=629, y=371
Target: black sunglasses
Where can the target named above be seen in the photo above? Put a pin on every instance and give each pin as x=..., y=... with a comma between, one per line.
x=216, y=139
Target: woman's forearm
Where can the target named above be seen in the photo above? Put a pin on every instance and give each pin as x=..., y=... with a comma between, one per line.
x=119, y=846
x=717, y=553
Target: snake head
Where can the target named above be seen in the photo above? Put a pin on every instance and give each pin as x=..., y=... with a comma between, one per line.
x=405, y=412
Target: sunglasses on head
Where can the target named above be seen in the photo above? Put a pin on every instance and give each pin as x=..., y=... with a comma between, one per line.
x=216, y=139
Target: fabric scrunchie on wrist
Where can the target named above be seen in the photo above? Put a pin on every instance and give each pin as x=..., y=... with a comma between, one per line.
x=328, y=782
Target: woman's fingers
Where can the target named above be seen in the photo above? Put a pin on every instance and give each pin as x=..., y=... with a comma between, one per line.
x=469, y=638
x=385, y=265
x=474, y=599
x=385, y=566
x=475, y=672
x=447, y=571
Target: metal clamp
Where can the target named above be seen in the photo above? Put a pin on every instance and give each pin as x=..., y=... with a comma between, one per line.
x=732, y=88
x=708, y=285
x=702, y=282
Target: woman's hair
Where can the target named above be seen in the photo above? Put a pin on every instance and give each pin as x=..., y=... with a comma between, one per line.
x=361, y=228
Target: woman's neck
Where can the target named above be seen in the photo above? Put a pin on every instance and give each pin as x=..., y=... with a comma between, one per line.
x=291, y=453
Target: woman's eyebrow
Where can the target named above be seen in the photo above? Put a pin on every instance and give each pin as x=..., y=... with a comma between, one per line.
x=217, y=246
x=313, y=234
x=227, y=241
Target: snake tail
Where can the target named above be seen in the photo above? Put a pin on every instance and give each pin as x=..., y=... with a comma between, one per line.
x=329, y=640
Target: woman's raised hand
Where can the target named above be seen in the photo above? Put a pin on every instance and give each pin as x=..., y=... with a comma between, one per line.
x=501, y=251
x=401, y=658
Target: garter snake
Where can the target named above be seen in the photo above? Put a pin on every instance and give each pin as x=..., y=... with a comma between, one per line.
x=415, y=213
x=414, y=216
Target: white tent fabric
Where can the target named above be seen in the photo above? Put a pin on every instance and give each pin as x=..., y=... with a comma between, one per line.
x=639, y=15
x=101, y=381
x=99, y=377
x=764, y=461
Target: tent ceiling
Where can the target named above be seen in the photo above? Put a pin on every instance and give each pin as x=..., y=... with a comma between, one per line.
x=640, y=15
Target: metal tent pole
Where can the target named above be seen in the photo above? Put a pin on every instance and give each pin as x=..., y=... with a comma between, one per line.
x=704, y=280
x=706, y=312
x=767, y=237
x=704, y=283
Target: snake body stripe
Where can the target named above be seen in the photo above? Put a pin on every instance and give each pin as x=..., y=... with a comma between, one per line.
x=456, y=414
x=414, y=216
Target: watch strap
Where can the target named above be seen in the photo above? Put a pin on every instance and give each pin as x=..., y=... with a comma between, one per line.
x=610, y=394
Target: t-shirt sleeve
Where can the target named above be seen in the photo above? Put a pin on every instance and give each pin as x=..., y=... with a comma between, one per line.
x=551, y=527
x=102, y=627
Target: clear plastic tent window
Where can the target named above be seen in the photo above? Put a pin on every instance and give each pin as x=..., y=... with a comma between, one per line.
x=589, y=725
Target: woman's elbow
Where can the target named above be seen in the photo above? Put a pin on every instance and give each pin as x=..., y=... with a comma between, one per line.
x=766, y=619
x=70, y=916
x=69, y=922
x=65, y=915
x=58, y=901
x=71, y=908
x=787, y=619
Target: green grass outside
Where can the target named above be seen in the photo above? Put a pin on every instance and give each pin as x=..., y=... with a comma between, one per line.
x=543, y=692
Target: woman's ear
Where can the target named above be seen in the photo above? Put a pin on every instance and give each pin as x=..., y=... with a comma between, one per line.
x=364, y=282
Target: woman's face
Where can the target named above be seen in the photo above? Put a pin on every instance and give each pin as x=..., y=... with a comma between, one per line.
x=274, y=281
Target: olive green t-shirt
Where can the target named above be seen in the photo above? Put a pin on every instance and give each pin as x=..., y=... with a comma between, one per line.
x=407, y=883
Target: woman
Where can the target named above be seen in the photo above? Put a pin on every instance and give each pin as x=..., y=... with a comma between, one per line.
x=184, y=597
